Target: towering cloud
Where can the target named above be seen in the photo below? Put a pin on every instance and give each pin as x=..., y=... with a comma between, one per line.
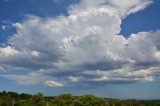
x=83, y=48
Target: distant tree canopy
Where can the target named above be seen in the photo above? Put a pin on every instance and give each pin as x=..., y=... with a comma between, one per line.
x=15, y=99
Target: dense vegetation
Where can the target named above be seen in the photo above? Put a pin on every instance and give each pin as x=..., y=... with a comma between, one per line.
x=15, y=99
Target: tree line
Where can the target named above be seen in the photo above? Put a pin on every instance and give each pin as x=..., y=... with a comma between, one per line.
x=15, y=99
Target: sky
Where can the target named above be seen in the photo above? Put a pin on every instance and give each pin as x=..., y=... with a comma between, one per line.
x=102, y=47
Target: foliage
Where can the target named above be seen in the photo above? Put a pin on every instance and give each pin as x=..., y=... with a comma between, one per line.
x=15, y=99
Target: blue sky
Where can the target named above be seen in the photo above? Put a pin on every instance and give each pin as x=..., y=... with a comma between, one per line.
x=146, y=20
x=106, y=48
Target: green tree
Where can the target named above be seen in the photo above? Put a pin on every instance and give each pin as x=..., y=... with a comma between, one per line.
x=63, y=100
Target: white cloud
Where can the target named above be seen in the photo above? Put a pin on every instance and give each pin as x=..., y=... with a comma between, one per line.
x=30, y=79
x=70, y=49
x=7, y=51
x=33, y=78
x=120, y=7
x=35, y=53
x=74, y=79
x=3, y=27
x=126, y=7
x=53, y=84
x=2, y=69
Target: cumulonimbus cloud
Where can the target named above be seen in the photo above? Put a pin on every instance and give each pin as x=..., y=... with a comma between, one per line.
x=83, y=48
